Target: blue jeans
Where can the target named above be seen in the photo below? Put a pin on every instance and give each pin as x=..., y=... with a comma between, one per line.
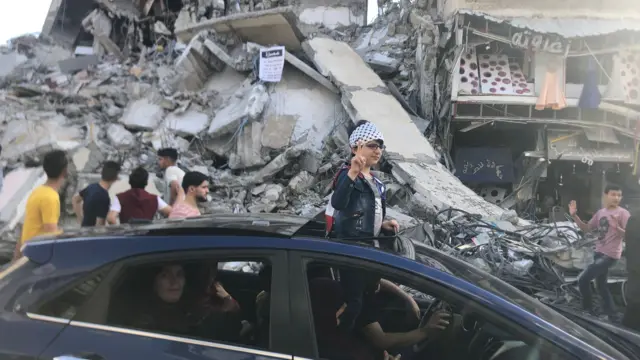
x=599, y=271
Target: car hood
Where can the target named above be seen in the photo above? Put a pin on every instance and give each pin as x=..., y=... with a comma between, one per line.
x=461, y=269
x=623, y=339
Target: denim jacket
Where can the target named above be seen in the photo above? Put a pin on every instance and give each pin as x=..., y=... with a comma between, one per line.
x=354, y=204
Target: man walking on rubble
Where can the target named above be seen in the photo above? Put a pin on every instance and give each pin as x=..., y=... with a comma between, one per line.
x=42, y=211
x=173, y=175
x=91, y=204
x=609, y=223
x=136, y=203
x=196, y=187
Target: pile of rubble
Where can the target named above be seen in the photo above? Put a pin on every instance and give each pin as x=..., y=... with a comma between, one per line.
x=267, y=146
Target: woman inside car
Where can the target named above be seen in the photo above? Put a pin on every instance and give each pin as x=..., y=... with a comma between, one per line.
x=174, y=307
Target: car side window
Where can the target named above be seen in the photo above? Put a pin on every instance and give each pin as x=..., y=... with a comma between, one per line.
x=401, y=316
x=67, y=304
x=208, y=299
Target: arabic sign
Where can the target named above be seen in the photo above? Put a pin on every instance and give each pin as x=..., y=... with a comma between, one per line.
x=484, y=165
x=271, y=64
x=539, y=42
x=574, y=146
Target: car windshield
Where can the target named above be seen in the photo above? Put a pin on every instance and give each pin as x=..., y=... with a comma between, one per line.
x=468, y=272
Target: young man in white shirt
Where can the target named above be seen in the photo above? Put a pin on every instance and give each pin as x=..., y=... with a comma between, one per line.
x=173, y=175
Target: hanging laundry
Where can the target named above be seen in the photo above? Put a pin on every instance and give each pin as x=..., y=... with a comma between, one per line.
x=552, y=92
x=615, y=90
x=630, y=75
x=590, y=97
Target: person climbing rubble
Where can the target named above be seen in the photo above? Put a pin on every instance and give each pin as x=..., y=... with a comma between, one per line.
x=173, y=175
x=358, y=209
x=136, y=203
x=42, y=211
x=609, y=223
x=91, y=204
x=196, y=188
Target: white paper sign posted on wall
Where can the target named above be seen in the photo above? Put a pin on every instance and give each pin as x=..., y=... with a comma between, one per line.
x=271, y=63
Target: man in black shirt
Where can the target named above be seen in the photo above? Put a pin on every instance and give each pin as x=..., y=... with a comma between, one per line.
x=632, y=253
x=92, y=204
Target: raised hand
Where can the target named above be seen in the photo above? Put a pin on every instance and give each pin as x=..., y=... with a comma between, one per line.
x=573, y=208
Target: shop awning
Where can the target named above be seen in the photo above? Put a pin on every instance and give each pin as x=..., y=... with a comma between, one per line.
x=566, y=27
x=578, y=145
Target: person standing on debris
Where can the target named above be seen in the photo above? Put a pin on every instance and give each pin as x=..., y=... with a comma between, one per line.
x=631, y=317
x=91, y=204
x=136, y=203
x=358, y=208
x=610, y=223
x=42, y=211
x=173, y=175
x=196, y=187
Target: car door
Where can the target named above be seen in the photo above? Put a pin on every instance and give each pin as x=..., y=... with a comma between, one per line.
x=90, y=335
x=561, y=345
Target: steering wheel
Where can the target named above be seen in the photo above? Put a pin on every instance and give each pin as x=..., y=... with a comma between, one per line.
x=433, y=307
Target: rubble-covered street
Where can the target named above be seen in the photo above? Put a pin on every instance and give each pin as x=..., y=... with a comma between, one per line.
x=187, y=77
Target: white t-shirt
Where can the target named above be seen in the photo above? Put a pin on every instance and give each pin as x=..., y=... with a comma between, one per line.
x=172, y=173
x=115, y=204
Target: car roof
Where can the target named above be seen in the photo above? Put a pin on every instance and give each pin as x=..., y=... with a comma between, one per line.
x=246, y=223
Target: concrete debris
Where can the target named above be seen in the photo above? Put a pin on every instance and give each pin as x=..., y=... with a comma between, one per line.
x=144, y=77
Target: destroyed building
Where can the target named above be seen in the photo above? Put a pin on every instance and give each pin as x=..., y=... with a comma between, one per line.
x=119, y=79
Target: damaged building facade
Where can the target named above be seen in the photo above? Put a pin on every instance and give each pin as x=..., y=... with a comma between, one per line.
x=543, y=110
x=117, y=80
x=537, y=104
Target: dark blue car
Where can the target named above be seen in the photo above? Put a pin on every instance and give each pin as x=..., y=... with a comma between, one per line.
x=121, y=293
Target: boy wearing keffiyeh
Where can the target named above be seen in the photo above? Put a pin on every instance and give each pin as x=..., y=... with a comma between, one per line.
x=359, y=204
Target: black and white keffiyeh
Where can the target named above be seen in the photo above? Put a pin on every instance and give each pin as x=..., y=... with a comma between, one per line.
x=365, y=133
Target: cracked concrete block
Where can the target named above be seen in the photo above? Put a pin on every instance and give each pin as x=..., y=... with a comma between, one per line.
x=188, y=123
x=17, y=186
x=10, y=61
x=142, y=114
x=247, y=105
x=278, y=130
x=248, y=148
x=301, y=182
x=120, y=137
x=34, y=138
x=161, y=138
x=331, y=17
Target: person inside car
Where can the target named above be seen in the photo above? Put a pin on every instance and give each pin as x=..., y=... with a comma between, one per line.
x=369, y=340
x=358, y=208
x=171, y=308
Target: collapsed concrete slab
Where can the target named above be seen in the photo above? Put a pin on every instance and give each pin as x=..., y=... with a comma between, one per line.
x=265, y=27
x=32, y=137
x=366, y=97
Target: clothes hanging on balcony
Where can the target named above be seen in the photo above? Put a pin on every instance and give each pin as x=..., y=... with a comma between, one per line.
x=627, y=76
x=590, y=97
x=614, y=89
x=552, y=92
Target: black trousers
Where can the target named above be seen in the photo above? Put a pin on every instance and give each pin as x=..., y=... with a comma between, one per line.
x=599, y=271
x=355, y=284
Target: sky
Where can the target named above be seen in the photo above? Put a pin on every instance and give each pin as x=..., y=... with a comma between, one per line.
x=19, y=17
